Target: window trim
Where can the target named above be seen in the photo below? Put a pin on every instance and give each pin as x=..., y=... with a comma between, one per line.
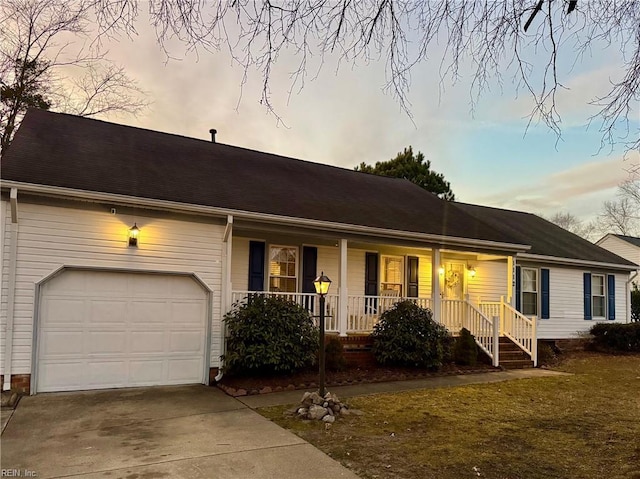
x=604, y=297
x=297, y=268
x=402, y=273
x=537, y=291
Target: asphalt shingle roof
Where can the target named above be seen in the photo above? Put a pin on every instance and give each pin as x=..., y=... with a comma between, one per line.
x=85, y=154
x=69, y=151
x=545, y=238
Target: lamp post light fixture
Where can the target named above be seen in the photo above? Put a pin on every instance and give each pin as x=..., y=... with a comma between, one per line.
x=322, y=283
x=133, y=235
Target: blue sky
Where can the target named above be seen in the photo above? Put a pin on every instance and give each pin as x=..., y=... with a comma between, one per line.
x=343, y=117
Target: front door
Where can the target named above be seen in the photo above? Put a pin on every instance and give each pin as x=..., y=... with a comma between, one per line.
x=453, y=280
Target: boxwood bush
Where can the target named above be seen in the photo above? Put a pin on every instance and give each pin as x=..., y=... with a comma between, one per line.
x=407, y=335
x=465, y=349
x=616, y=336
x=268, y=335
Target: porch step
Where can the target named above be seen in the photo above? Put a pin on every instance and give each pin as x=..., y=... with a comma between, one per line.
x=516, y=363
x=511, y=356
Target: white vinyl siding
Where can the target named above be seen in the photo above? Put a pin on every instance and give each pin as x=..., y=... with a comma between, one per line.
x=79, y=235
x=240, y=264
x=490, y=281
x=566, y=298
x=622, y=248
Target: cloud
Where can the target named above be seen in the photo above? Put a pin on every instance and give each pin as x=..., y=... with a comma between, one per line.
x=580, y=189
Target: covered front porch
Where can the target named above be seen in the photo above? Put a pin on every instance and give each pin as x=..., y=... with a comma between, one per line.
x=465, y=287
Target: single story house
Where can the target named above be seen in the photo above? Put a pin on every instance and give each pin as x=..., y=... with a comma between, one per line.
x=123, y=248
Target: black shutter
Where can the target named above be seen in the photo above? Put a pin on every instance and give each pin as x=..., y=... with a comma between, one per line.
x=256, y=265
x=412, y=276
x=518, y=288
x=371, y=282
x=309, y=266
x=587, y=296
x=611, y=297
x=371, y=274
x=544, y=287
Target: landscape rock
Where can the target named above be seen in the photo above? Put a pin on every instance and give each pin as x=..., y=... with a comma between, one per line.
x=317, y=412
x=329, y=418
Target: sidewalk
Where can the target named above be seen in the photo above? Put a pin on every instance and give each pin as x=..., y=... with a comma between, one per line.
x=343, y=392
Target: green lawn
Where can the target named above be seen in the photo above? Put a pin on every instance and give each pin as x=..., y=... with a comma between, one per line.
x=582, y=426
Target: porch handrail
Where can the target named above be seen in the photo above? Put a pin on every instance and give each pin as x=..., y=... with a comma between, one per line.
x=486, y=331
x=309, y=301
x=520, y=329
x=363, y=312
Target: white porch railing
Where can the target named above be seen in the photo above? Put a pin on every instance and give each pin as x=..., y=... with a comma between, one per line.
x=363, y=312
x=514, y=325
x=309, y=301
x=456, y=314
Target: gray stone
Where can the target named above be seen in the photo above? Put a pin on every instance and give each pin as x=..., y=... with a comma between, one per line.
x=315, y=397
x=317, y=412
x=325, y=404
x=328, y=418
x=302, y=412
x=344, y=411
x=329, y=412
x=307, y=399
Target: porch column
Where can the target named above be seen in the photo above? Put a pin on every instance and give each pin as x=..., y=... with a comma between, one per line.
x=342, y=290
x=435, y=284
x=226, y=292
x=511, y=280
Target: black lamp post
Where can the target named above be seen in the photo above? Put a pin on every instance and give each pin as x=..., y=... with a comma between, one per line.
x=322, y=284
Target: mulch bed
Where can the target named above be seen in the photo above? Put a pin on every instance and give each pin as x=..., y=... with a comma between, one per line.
x=250, y=385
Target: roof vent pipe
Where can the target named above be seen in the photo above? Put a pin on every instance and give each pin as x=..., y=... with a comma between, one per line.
x=213, y=132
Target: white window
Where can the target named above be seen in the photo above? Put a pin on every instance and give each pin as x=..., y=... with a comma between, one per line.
x=283, y=268
x=392, y=274
x=529, y=292
x=598, y=304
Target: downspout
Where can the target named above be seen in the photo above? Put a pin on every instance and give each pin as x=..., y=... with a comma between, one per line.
x=226, y=289
x=628, y=296
x=11, y=289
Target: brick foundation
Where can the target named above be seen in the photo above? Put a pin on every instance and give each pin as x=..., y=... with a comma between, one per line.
x=20, y=383
x=357, y=350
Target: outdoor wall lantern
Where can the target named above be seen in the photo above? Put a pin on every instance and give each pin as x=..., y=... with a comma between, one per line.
x=322, y=283
x=133, y=235
x=472, y=272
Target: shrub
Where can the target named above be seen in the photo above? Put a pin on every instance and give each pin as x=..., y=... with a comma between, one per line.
x=407, y=335
x=334, y=355
x=635, y=303
x=616, y=336
x=269, y=335
x=465, y=349
x=547, y=353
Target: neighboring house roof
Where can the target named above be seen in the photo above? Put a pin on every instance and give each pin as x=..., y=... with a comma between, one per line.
x=72, y=152
x=545, y=238
x=66, y=151
x=629, y=239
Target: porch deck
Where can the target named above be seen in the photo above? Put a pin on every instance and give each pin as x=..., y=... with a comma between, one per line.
x=487, y=321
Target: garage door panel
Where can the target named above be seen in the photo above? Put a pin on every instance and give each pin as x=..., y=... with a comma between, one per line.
x=120, y=329
x=146, y=372
x=104, y=373
x=149, y=311
x=105, y=311
x=61, y=343
x=59, y=376
x=105, y=342
x=184, y=310
x=184, y=370
x=64, y=310
x=185, y=342
x=147, y=341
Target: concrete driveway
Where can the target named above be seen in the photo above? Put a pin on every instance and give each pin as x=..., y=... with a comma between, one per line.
x=148, y=433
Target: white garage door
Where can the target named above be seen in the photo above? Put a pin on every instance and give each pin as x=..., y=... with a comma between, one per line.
x=103, y=330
